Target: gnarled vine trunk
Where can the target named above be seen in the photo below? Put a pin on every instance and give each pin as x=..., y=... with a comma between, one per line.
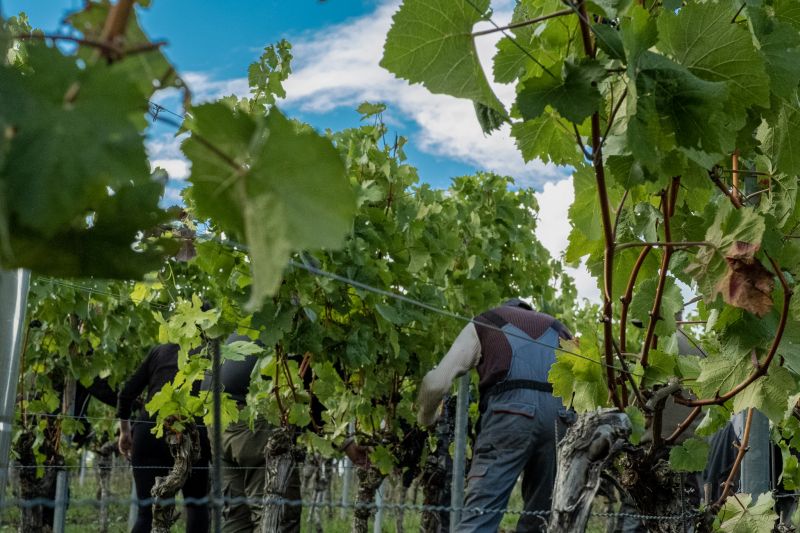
x=589, y=447
x=185, y=450
x=654, y=489
x=103, y=461
x=369, y=480
x=597, y=444
x=282, y=457
x=38, y=518
x=437, y=473
x=317, y=480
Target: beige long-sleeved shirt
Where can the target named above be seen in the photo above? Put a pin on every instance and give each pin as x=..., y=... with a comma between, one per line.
x=463, y=355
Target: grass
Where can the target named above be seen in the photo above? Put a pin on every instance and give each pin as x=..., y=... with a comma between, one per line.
x=83, y=518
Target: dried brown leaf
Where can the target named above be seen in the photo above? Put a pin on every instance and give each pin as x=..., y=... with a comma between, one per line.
x=747, y=284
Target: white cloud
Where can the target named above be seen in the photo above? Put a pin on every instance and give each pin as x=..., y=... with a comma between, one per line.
x=553, y=229
x=165, y=151
x=338, y=66
x=205, y=88
x=178, y=169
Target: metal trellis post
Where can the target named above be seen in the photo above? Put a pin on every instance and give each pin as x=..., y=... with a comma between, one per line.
x=347, y=482
x=62, y=477
x=82, y=471
x=217, y=436
x=13, y=301
x=459, y=457
x=379, y=495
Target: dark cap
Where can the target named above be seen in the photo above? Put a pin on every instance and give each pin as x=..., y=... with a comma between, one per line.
x=516, y=302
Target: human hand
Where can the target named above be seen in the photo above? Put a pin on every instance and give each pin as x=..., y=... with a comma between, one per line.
x=359, y=455
x=125, y=443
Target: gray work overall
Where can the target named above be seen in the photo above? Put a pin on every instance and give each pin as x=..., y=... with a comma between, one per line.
x=518, y=435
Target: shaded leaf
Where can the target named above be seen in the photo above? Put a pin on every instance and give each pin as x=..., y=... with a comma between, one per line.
x=691, y=456
x=574, y=95
x=546, y=139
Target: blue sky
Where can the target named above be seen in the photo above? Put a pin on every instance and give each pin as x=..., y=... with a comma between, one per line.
x=337, y=46
x=220, y=39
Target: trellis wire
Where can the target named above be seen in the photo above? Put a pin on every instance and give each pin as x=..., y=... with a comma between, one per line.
x=364, y=286
x=274, y=501
x=149, y=467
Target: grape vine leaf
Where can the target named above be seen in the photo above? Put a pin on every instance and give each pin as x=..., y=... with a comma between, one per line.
x=779, y=43
x=747, y=284
x=545, y=138
x=609, y=41
x=89, y=224
x=638, y=32
x=104, y=249
x=788, y=11
x=672, y=108
x=49, y=139
x=610, y=9
x=267, y=74
x=720, y=372
x=700, y=36
x=584, y=216
x=768, y=394
x=150, y=70
x=730, y=228
x=578, y=379
x=691, y=456
x=239, y=350
x=780, y=136
x=279, y=187
x=430, y=42
x=636, y=417
x=571, y=89
x=383, y=459
x=714, y=420
x=488, y=118
x=741, y=515
x=671, y=304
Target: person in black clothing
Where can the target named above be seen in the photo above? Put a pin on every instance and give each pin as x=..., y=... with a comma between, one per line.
x=243, y=452
x=149, y=455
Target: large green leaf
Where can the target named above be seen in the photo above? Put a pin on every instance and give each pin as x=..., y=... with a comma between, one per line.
x=768, y=394
x=430, y=42
x=691, y=456
x=278, y=185
x=83, y=146
x=788, y=11
x=547, y=138
x=584, y=216
x=671, y=304
x=779, y=43
x=700, y=36
x=75, y=186
x=781, y=137
x=719, y=373
x=579, y=380
x=741, y=515
x=672, y=108
x=103, y=249
x=571, y=90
